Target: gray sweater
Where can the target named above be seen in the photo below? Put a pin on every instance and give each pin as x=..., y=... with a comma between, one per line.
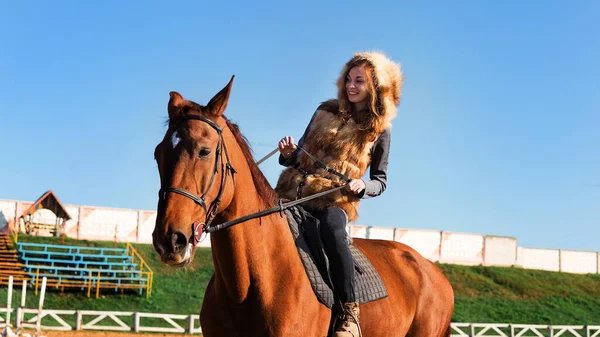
x=378, y=166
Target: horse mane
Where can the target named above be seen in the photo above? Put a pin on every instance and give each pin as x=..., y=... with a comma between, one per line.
x=264, y=189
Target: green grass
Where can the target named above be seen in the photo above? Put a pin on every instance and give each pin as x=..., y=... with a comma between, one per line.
x=483, y=294
x=514, y=295
x=174, y=291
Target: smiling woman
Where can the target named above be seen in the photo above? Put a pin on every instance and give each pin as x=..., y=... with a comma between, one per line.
x=346, y=136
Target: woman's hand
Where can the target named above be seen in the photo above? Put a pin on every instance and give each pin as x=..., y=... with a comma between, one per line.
x=286, y=146
x=356, y=186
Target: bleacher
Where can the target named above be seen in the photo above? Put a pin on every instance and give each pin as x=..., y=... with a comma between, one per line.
x=87, y=268
x=9, y=262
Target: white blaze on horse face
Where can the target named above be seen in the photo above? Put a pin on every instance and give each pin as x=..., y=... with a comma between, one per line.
x=175, y=139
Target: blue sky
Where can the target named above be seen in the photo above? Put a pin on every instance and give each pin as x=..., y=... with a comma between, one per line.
x=498, y=131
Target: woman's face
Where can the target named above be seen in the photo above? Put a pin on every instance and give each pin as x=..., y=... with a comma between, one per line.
x=356, y=84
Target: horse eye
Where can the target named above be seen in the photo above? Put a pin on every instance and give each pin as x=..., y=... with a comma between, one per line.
x=204, y=152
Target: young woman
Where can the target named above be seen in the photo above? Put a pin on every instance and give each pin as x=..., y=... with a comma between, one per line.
x=348, y=134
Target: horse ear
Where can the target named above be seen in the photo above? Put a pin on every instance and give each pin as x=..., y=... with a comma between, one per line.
x=176, y=101
x=217, y=104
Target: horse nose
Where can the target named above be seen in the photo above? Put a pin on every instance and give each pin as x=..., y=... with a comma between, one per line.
x=158, y=245
x=178, y=242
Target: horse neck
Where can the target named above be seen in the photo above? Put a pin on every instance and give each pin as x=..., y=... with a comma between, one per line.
x=253, y=255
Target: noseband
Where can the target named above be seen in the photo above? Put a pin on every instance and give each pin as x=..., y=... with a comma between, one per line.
x=200, y=200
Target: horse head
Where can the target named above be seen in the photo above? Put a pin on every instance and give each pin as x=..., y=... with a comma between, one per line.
x=195, y=175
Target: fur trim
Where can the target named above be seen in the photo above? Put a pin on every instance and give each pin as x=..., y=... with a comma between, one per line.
x=342, y=143
x=388, y=81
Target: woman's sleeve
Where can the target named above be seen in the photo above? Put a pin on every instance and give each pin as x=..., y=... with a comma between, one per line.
x=379, y=163
x=292, y=159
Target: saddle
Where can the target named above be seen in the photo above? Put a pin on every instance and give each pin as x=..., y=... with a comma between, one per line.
x=305, y=230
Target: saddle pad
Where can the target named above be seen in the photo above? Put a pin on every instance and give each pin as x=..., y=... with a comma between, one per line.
x=369, y=286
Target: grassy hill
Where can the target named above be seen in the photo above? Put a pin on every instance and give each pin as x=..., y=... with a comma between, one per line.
x=483, y=294
x=503, y=295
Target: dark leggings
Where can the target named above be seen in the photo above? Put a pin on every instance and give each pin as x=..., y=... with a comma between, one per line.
x=333, y=233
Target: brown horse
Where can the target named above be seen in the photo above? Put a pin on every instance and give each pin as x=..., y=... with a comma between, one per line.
x=259, y=287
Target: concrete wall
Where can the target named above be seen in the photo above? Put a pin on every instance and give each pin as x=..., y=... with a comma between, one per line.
x=426, y=242
x=462, y=248
x=499, y=251
x=126, y=225
x=535, y=258
x=579, y=262
x=381, y=233
x=8, y=210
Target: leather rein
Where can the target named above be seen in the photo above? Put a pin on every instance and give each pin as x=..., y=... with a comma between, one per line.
x=198, y=228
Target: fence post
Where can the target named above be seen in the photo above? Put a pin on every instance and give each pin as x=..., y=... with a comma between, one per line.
x=89, y=284
x=39, y=320
x=587, y=331
x=79, y=321
x=472, y=331
x=18, y=322
x=512, y=330
x=98, y=285
x=20, y=311
x=37, y=278
x=9, y=301
x=191, y=324
x=136, y=321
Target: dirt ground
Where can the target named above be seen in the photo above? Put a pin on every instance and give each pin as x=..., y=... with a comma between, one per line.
x=106, y=334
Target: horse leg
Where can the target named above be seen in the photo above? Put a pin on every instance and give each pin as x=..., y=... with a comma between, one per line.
x=434, y=313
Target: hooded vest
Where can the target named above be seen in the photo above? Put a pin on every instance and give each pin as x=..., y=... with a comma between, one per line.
x=341, y=143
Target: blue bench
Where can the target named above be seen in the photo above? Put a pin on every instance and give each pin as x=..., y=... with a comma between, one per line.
x=74, y=256
x=117, y=278
x=32, y=269
x=76, y=265
x=70, y=249
x=81, y=264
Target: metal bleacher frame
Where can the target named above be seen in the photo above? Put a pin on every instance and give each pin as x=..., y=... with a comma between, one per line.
x=85, y=267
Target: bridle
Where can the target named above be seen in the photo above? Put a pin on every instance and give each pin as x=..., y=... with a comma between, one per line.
x=227, y=169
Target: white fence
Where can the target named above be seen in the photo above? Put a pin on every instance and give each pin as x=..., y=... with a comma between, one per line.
x=518, y=330
x=126, y=225
x=68, y=320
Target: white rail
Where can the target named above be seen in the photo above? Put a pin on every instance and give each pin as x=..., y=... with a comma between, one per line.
x=67, y=320
x=523, y=330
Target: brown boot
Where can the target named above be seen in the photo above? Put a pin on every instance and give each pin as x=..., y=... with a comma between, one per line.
x=346, y=325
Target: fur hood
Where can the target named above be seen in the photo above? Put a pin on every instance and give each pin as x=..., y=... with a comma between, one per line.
x=387, y=78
